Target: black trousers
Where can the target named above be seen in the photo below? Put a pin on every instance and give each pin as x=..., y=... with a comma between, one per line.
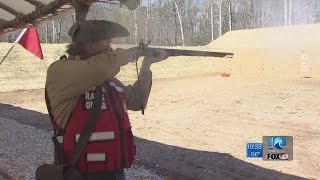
x=118, y=175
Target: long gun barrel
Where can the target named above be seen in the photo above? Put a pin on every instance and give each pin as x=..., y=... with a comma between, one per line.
x=144, y=50
x=182, y=52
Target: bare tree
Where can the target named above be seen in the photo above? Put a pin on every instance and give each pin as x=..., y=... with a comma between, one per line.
x=59, y=32
x=134, y=15
x=220, y=18
x=290, y=11
x=212, y=24
x=285, y=13
x=252, y=24
x=148, y=14
x=46, y=32
x=160, y=22
x=230, y=15
x=53, y=33
x=188, y=22
x=180, y=21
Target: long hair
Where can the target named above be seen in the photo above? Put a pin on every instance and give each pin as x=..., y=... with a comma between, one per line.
x=77, y=49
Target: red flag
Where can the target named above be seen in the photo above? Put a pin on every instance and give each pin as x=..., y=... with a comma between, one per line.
x=30, y=41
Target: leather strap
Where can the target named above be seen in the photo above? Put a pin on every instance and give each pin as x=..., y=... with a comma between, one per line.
x=87, y=131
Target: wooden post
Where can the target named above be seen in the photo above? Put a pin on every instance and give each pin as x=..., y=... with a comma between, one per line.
x=81, y=11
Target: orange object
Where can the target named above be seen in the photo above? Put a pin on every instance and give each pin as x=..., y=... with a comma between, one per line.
x=224, y=74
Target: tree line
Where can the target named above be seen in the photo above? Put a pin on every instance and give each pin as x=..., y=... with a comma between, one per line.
x=186, y=22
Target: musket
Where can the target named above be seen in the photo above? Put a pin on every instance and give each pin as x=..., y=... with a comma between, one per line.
x=144, y=50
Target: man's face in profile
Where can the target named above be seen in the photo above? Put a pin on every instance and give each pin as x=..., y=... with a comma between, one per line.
x=99, y=46
x=104, y=45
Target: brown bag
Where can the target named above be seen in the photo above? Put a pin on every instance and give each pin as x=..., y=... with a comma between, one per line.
x=69, y=172
x=57, y=172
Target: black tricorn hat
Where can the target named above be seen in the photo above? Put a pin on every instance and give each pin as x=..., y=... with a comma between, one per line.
x=95, y=30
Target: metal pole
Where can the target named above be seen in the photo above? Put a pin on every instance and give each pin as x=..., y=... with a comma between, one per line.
x=16, y=42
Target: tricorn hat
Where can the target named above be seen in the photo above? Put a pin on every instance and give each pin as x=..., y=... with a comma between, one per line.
x=95, y=30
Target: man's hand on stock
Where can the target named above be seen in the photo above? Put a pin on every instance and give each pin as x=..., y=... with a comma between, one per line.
x=124, y=56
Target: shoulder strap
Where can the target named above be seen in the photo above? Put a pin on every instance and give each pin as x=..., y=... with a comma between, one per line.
x=56, y=129
x=87, y=131
x=48, y=104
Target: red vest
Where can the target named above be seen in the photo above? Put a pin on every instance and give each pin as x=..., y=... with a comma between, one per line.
x=111, y=146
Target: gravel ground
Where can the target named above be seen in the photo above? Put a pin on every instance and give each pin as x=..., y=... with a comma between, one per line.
x=24, y=148
x=197, y=128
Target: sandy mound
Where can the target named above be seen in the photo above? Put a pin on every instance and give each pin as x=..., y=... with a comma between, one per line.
x=272, y=52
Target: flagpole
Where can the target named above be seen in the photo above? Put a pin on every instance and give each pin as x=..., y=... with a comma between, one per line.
x=16, y=42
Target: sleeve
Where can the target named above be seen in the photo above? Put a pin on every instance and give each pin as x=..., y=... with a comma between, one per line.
x=74, y=77
x=136, y=95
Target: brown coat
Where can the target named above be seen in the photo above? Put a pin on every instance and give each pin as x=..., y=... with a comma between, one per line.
x=68, y=79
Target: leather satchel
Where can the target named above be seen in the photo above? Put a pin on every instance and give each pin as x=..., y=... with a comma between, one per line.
x=69, y=171
x=57, y=172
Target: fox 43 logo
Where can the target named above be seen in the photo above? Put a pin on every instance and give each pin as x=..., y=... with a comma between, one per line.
x=278, y=156
x=277, y=148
